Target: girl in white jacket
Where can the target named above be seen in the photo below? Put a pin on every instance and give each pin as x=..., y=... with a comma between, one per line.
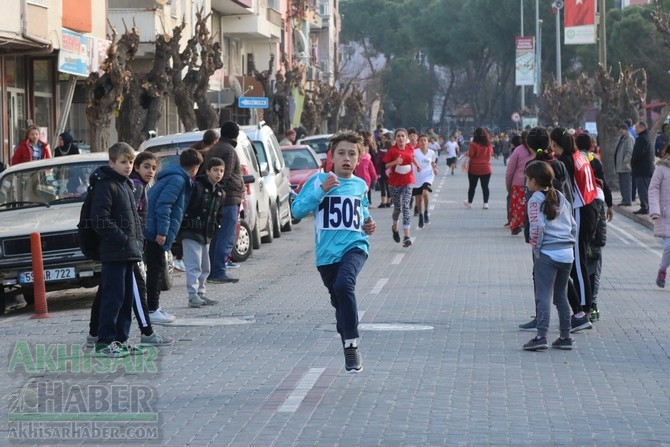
x=659, y=209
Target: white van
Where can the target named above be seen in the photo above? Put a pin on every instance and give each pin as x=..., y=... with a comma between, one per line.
x=276, y=175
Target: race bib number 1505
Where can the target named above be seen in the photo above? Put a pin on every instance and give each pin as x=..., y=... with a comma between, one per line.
x=339, y=213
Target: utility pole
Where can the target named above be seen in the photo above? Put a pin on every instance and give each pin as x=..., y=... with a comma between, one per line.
x=557, y=8
x=538, y=50
x=602, y=34
x=523, y=87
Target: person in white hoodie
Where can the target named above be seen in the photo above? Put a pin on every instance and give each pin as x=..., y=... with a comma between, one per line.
x=659, y=209
x=553, y=231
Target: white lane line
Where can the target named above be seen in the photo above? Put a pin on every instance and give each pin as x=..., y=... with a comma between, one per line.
x=303, y=387
x=627, y=239
x=379, y=286
x=397, y=259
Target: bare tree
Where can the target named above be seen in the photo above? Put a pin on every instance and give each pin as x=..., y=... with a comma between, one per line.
x=566, y=104
x=105, y=94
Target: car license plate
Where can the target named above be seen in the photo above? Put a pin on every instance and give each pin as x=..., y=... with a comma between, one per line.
x=59, y=274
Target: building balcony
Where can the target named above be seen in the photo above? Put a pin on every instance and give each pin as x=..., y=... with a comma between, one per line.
x=265, y=25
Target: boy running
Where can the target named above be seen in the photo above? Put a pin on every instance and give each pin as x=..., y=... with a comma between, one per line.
x=342, y=224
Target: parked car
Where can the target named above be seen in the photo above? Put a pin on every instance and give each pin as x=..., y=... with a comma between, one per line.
x=320, y=144
x=302, y=162
x=276, y=175
x=45, y=197
x=255, y=213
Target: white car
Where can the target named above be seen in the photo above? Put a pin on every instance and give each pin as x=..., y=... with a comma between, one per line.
x=320, y=144
x=45, y=197
x=276, y=175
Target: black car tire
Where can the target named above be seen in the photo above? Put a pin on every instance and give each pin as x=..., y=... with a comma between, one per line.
x=288, y=226
x=244, y=246
x=256, y=235
x=276, y=222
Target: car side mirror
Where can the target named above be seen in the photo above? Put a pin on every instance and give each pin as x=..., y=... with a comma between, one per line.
x=277, y=165
x=249, y=179
x=264, y=167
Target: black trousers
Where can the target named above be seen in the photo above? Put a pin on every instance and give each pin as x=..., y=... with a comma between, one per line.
x=580, y=293
x=155, y=259
x=139, y=305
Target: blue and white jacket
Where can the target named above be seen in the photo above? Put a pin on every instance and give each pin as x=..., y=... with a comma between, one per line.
x=339, y=216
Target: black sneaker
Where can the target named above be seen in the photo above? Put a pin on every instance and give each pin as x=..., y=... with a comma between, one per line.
x=222, y=280
x=353, y=362
x=641, y=212
x=595, y=313
x=406, y=242
x=530, y=326
x=416, y=211
x=536, y=344
x=420, y=220
x=396, y=235
x=579, y=324
x=562, y=343
x=425, y=217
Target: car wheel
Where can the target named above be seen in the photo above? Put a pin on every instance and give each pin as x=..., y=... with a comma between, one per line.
x=288, y=226
x=243, y=247
x=276, y=222
x=28, y=295
x=166, y=283
x=256, y=236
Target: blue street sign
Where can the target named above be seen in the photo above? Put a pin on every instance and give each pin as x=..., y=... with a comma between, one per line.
x=245, y=102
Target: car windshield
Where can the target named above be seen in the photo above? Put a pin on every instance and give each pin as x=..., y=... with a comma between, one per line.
x=299, y=159
x=45, y=185
x=320, y=145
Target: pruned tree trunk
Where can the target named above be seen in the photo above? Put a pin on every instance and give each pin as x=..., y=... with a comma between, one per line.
x=105, y=93
x=619, y=99
x=264, y=77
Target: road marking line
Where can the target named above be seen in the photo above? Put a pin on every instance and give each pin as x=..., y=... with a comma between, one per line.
x=303, y=387
x=378, y=287
x=627, y=239
x=397, y=259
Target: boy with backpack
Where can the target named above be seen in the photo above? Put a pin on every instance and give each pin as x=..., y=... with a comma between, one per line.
x=201, y=220
x=144, y=169
x=114, y=218
x=167, y=201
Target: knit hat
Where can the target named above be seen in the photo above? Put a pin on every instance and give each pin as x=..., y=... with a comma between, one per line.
x=67, y=137
x=230, y=129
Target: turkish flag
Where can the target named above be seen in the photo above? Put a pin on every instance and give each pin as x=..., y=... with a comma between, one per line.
x=580, y=12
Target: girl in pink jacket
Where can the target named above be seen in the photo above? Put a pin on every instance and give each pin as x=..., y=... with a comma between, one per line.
x=366, y=168
x=659, y=209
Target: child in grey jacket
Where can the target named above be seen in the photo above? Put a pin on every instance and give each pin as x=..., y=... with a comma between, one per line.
x=552, y=234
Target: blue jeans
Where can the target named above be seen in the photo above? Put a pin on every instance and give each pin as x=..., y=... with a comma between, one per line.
x=551, y=281
x=223, y=241
x=340, y=280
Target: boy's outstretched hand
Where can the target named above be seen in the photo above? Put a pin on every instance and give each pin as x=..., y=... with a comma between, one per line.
x=330, y=182
x=369, y=226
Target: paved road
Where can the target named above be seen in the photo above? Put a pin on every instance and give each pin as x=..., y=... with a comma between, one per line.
x=443, y=364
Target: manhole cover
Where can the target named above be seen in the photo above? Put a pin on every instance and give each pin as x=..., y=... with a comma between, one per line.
x=226, y=321
x=394, y=327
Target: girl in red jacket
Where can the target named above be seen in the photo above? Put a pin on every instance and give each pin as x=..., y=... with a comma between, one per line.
x=31, y=147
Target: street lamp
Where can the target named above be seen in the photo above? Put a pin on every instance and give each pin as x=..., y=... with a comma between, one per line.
x=556, y=9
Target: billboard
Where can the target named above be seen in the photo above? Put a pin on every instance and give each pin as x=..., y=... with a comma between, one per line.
x=580, y=22
x=525, y=61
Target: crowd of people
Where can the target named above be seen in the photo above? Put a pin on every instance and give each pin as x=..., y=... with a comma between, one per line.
x=557, y=196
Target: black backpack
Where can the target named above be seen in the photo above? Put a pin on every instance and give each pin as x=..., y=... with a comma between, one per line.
x=89, y=240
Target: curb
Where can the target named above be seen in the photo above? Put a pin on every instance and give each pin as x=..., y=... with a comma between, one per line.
x=627, y=211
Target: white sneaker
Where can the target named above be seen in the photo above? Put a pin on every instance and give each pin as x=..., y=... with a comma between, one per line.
x=467, y=204
x=486, y=206
x=178, y=264
x=159, y=316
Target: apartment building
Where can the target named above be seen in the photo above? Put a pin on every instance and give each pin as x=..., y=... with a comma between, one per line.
x=46, y=47
x=49, y=47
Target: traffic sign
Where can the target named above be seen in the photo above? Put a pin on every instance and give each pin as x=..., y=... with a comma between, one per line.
x=245, y=102
x=516, y=117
